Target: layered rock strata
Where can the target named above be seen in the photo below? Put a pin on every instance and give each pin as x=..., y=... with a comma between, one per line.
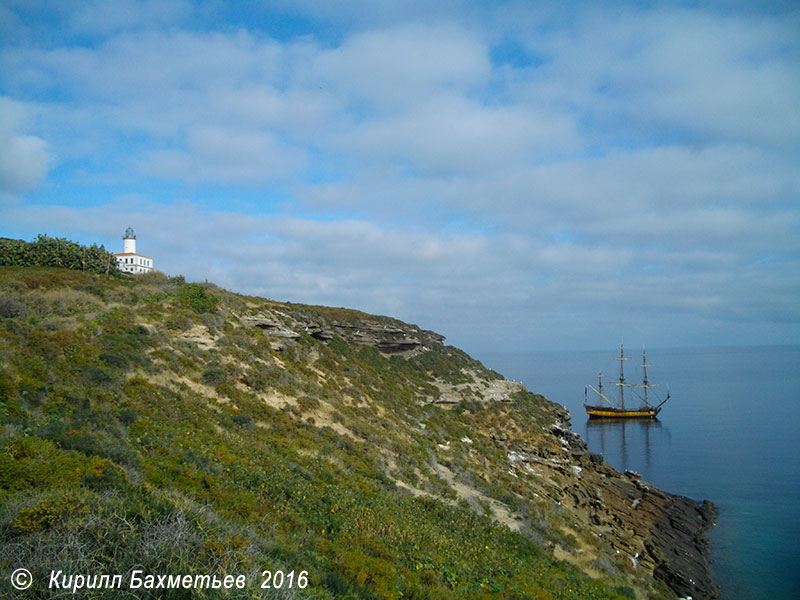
x=389, y=337
x=658, y=532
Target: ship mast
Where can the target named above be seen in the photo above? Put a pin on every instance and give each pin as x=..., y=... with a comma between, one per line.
x=622, y=383
x=645, y=384
x=599, y=389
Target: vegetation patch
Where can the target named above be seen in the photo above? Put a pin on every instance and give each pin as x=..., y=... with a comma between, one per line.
x=115, y=455
x=46, y=251
x=197, y=298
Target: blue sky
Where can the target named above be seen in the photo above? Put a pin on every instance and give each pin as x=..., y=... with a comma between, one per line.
x=514, y=175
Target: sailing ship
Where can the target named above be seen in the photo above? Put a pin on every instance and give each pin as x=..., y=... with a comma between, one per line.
x=611, y=411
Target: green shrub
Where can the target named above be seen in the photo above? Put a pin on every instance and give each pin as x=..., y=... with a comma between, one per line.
x=128, y=417
x=91, y=288
x=260, y=377
x=197, y=298
x=50, y=510
x=243, y=421
x=308, y=403
x=104, y=475
x=115, y=360
x=11, y=308
x=213, y=322
x=214, y=375
x=178, y=321
x=7, y=386
x=99, y=376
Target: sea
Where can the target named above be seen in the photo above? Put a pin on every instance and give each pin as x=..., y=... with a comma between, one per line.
x=730, y=433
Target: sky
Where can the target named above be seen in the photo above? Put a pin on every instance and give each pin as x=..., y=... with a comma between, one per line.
x=514, y=175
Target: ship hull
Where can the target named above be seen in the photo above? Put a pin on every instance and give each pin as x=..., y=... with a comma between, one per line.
x=611, y=412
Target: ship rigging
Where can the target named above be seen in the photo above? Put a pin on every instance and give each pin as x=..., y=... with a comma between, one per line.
x=609, y=410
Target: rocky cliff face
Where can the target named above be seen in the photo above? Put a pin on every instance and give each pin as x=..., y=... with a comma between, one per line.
x=617, y=522
x=616, y=515
x=659, y=532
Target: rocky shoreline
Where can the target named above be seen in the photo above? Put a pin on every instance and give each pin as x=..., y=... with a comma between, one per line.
x=662, y=532
x=683, y=526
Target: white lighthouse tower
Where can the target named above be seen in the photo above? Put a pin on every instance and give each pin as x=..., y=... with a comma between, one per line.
x=129, y=242
x=128, y=261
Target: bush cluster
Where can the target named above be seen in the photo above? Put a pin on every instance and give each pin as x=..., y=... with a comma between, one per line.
x=46, y=251
x=197, y=298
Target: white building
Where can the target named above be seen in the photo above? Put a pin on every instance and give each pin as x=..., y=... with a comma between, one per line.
x=128, y=260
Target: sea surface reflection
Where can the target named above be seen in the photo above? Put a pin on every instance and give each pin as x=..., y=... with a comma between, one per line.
x=627, y=442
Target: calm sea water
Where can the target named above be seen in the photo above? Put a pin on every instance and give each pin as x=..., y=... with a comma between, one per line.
x=730, y=433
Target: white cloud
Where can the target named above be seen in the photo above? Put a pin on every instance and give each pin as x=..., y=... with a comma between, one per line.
x=227, y=155
x=24, y=159
x=295, y=112
x=196, y=64
x=453, y=134
x=708, y=77
x=403, y=65
x=668, y=195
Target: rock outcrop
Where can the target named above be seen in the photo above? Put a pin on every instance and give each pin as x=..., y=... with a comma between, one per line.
x=385, y=338
x=389, y=337
x=269, y=326
x=677, y=545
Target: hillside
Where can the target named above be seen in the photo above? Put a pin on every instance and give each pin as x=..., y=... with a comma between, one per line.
x=173, y=428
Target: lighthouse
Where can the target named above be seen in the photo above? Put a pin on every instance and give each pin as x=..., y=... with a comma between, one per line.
x=129, y=242
x=129, y=261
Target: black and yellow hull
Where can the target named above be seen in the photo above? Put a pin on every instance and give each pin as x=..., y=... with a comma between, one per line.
x=611, y=412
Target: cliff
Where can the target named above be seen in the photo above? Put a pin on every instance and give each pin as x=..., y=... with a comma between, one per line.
x=182, y=428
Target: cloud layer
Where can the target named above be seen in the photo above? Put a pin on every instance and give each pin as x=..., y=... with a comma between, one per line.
x=515, y=177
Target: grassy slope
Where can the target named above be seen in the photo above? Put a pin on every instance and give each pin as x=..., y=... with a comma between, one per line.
x=129, y=442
